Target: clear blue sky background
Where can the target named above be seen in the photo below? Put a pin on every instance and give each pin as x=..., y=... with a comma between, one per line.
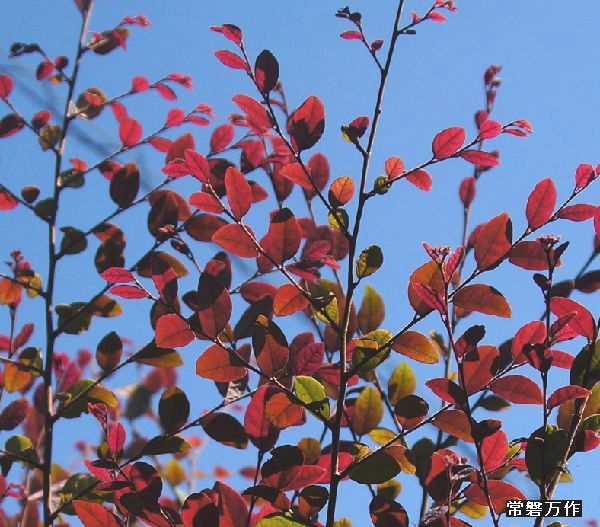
x=549, y=55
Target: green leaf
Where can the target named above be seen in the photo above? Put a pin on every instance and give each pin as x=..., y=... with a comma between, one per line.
x=368, y=411
x=372, y=310
x=173, y=409
x=49, y=136
x=73, y=242
x=22, y=448
x=339, y=219
x=138, y=403
x=285, y=519
x=165, y=445
x=591, y=423
x=402, y=382
x=225, y=429
x=312, y=393
x=152, y=355
x=585, y=370
x=544, y=452
x=76, y=485
x=369, y=261
x=378, y=468
x=368, y=351
x=97, y=394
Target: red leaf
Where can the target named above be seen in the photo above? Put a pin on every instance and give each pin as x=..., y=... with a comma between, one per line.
x=160, y=143
x=253, y=292
x=448, y=142
x=234, y=239
x=584, y=175
x=10, y=125
x=266, y=71
x=318, y=167
x=446, y=390
x=179, y=146
x=597, y=222
x=284, y=236
x=95, y=515
x=541, y=202
x=6, y=86
x=580, y=212
x=531, y=333
x=493, y=450
x=214, y=308
x=307, y=123
x=270, y=346
x=199, y=509
x=260, y=430
x=173, y=332
x=480, y=158
x=131, y=292
x=221, y=137
x=205, y=201
x=530, y=255
x=255, y=112
x=130, y=132
x=288, y=300
x=197, y=164
x=420, y=179
x=351, y=35
x=233, y=511
x=230, y=32
x=296, y=173
x=231, y=60
x=44, y=70
x=175, y=117
x=118, y=275
x=239, y=193
x=166, y=92
x=394, y=167
x=116, y=437
x=139, y=84
x=583, y=323
x=479, y=368
x=490, y=129
x=567, y=393
x=309, y=359
x=493, y=242
x=41, y=119
x=518, y=389
x=429, y=296
x=119, y=111
x=7, y=201
x=436, y=16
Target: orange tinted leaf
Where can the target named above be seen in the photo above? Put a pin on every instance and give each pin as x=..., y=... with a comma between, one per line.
x=15, y=378
x=448, y=142
x=500, y=493
x=239, y=193
x=288, y=300
x=456, y=423
x=493, y=241
x=284, y=236
x=483, y=299
x=218, y=365
x=416, y=346
x=341, y=191
x=394, y=167
x=429, y=275
x=214, y=305
x=10, y=292
x=282, y=412
x=270, y=346
x=518, y=389
x=233, y=238
x=173, y=332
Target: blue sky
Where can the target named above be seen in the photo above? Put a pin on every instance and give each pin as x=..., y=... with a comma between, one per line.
x=550, y=76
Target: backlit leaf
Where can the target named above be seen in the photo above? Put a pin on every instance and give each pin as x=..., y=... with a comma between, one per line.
x=518, y=389
x=368, y=411
x=236, y=240
x=270, y=346
x=417, y=347
x=173, y=332
x=493, y=241
x=541, y=203
x=218, y=365
x=483, y=299
x=448, y=142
